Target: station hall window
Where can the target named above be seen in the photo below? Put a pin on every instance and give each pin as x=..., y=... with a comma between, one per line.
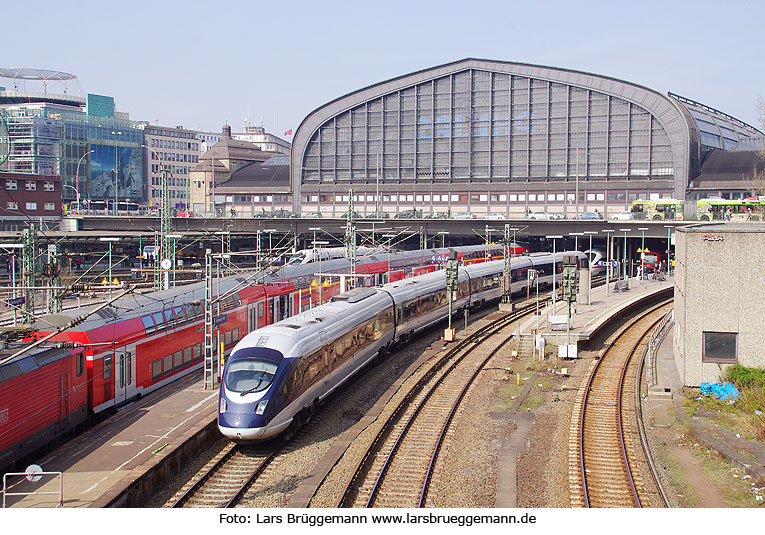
x=720, y=347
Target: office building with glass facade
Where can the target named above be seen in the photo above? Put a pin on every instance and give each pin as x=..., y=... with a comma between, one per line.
x=97, y=157
x=484, y=136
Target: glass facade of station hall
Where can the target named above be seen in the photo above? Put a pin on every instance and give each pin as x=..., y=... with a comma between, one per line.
x=481, y=125
x=481, y=140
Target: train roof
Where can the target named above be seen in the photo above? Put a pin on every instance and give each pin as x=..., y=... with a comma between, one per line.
x=140, y=304
x=36, y=358
x=304, y=329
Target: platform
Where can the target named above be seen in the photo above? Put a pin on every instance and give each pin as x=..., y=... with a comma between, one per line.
x=586, y=320
x=101, y=463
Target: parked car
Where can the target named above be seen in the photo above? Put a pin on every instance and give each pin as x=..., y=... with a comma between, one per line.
x=495, y=216
x=378, y=215
x=311, y=214
x=355, y=215
x=284, y=214
x=463, y=215
x=543, y=216
x=590, y=216
x=623, y=216
x=408, y=214
x=439, y=215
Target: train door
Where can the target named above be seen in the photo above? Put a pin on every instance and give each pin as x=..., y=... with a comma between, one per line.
x=66, y=380
x=252, y=317
x=124, y=374
x=279, y=307
x=290, y=311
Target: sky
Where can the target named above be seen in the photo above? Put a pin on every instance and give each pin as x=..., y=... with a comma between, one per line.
x=206, y=64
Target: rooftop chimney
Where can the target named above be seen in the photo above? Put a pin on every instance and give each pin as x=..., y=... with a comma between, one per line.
x=226, y=131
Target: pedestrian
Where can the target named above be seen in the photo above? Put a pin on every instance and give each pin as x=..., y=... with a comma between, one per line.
x=749, y=214
x=730, y=213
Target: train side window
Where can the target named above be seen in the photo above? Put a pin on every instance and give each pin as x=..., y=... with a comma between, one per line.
x=261, y=309
x=129, y=367
x=197, y=352
x=148, y=324
x=177, y=360
x=156, y=370
x=180, y=315
x=187, y=356
x=108, y=366
x=167, y=369
x=227, y=339
x=199, y=311
x=189, y=312
x=159, y=319
x=80, y=365
x=170, y=316
x=235, y=335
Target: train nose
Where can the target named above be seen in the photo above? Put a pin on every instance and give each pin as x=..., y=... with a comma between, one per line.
x=242, y=433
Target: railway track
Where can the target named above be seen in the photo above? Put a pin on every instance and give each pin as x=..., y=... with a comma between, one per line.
x=400, y=460
x=608, y=465
x=232, y=473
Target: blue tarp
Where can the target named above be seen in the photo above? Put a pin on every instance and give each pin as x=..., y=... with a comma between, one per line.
x=720, y=391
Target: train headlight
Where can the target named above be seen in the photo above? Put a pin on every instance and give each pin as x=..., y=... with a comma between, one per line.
x=260, y=408
x=223, y=405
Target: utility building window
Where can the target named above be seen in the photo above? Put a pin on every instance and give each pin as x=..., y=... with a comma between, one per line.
x=720, y=347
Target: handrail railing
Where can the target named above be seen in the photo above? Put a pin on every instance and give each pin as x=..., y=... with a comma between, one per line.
x=657, y=337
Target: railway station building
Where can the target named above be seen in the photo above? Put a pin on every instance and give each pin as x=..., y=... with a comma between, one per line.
x=718, y=307
x=484, y=136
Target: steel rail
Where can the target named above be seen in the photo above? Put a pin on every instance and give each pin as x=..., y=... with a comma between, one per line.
x=447, y=423
x=587, y=390
x=202, y=480
x=641, y=427
x=487, y=330
x=255, y=474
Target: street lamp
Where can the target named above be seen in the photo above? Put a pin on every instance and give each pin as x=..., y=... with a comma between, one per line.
x=609, y=251
x=390, y=237
x=589, y=264
x=668, y=227
x=642, y=254
x=173, y=237
x=315, y=243
x=443, y=234
x=76, y=178
x=223, y=234
x=161, y=165
x=270, y=232
x=554, y=270
x=625, y=230
x=514, y=230
x=110, y=240
x=314, y=229
x=116, y=171
x=576, y=239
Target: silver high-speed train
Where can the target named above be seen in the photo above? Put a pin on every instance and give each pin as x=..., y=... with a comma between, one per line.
x=276, y=376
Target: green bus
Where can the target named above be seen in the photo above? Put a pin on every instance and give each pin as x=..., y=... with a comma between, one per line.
x=658, y=209
x=717, y=209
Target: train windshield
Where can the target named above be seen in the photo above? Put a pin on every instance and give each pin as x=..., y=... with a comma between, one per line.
x=249, y=375
x=296, y=259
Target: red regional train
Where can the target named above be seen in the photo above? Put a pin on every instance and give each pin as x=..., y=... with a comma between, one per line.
x=142, y=342
x=43, y=396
